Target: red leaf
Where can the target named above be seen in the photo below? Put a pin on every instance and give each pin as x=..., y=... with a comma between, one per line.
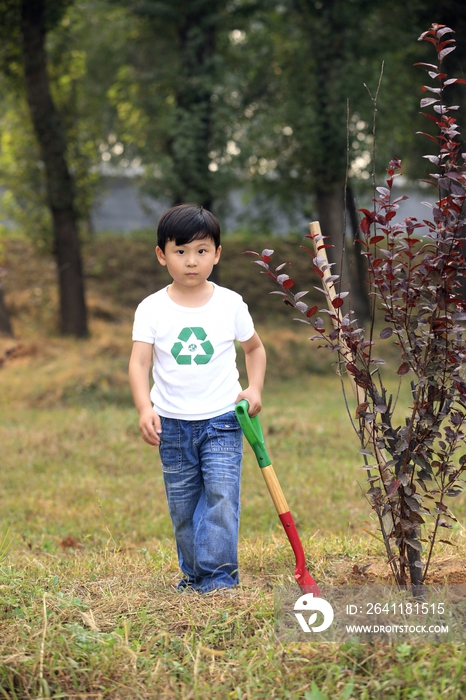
x=427, y=101
x=365, y=226
x=445, y=52
x=403, y=369
x=455, y=80
x=386, y=333
x=337, y=302
x=376, y=239
x=427, y=65
x=351, y=368
x=432, y=138
x=393, y=487
x=432, y=118
x=445, y=43
x=312, y=311
x=384, y=191
x=429, y=32
x=428, y=38
x=443, y=29
x=287, y=284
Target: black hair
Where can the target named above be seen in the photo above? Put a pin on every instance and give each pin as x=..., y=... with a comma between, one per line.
x=185, y=223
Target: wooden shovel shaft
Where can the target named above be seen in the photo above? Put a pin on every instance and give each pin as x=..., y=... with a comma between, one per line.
x=253, y=433
x=302, y=575
x=275, y=489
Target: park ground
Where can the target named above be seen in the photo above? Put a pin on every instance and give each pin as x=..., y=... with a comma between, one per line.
x=87, y=560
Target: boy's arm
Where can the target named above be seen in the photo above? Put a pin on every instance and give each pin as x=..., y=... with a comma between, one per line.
x=139, y=368
x=255, y=367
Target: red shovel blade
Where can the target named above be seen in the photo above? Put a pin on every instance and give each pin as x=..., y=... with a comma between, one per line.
x=302, y=575
x=307, y=583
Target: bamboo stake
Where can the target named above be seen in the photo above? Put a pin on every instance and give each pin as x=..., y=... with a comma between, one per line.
x=387, y=521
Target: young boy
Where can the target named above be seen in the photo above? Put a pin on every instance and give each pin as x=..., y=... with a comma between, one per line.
x=186, y=331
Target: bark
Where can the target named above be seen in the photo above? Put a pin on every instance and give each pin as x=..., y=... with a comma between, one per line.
x=330, y=204
x=415, y=572
x=358, y=266
x=5, y=325
x=60, y=188
x=197, y=36
x=193, y=132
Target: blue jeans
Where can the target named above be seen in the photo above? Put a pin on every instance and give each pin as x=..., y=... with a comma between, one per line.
x=201, y=463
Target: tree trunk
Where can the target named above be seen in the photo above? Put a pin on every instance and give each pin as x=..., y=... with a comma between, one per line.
x=60, y=189
x=358, y=264
x=191, y=142
x=415, y=572
x=5, y=325
x=330, y=208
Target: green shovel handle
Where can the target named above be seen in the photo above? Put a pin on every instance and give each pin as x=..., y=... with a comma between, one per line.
x=252, y=430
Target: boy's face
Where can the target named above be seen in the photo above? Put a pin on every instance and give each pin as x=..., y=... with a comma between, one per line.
x=189, y=264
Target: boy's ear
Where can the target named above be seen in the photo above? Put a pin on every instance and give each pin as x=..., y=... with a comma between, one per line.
x=160, y=256
x=217, y=254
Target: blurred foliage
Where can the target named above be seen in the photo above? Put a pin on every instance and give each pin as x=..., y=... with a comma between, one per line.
x=79, y=80
x=178, y=114
x=315, y=66
x=197, y=98
x=122, y=270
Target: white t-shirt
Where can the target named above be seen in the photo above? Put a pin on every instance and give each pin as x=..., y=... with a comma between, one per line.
x=194, y=366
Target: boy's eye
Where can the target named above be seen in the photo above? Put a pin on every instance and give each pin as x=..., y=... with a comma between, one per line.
x=202, y=250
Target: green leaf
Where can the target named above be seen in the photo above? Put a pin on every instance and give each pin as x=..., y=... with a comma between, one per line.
x=315, y=693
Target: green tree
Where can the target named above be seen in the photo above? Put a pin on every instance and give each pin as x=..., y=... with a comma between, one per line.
x=186, y=103
x=25, y=26
x=315, y=66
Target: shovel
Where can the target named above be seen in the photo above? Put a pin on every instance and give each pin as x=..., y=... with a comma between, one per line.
x=252, y=430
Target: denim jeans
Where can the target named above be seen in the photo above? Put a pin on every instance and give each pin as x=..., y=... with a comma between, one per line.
x=201, y=463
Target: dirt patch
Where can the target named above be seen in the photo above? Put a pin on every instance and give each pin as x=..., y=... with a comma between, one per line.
x=451, y=570
x=11, y=350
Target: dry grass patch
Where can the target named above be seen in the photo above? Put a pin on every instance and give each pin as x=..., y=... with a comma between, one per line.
x=110, y=624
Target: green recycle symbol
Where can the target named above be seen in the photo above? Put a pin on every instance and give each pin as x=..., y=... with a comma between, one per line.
x=204, y=347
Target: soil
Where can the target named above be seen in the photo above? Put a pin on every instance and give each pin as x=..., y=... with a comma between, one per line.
x=446, y=570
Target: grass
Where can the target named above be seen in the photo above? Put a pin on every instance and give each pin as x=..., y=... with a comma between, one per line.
x=87, y=560
x=105, y=624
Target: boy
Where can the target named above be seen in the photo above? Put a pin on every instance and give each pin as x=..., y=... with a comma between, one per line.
x=186, y=331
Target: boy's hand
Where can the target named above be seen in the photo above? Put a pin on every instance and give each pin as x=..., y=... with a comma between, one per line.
x=150, y=427
x=254, y=399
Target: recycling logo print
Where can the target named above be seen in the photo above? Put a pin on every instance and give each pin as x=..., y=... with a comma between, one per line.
x=192, y=346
